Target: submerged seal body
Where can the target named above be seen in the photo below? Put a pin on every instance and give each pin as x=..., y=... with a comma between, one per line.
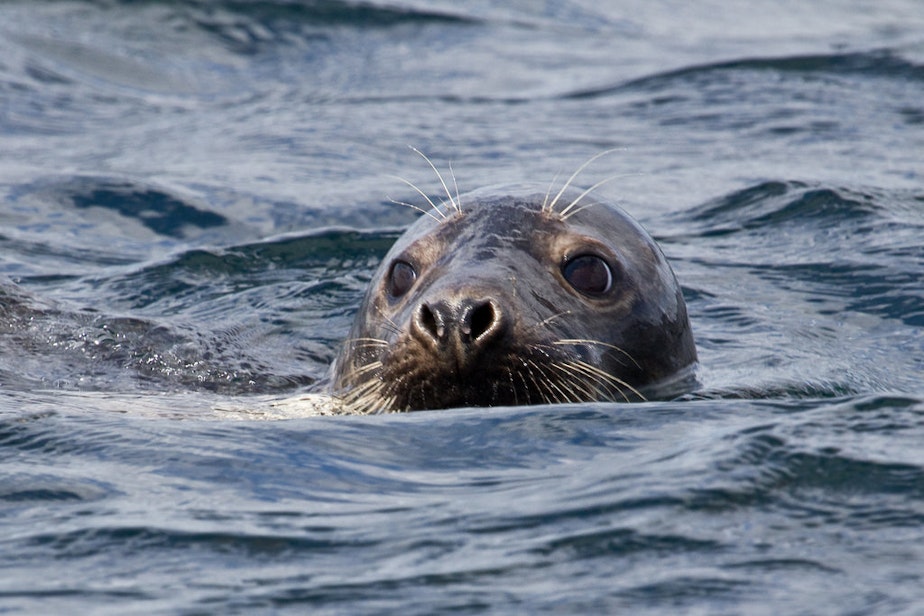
x=509, y=297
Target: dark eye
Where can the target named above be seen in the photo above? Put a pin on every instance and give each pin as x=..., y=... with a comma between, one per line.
x=589, y=274
x=401, y=278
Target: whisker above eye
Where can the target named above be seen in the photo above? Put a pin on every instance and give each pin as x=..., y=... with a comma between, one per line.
x=455, y=205
x=569, y=210
x=424, y=211
x=551, y=206
x=433, y=207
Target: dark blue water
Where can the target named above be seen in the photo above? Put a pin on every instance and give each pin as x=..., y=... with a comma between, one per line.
x=194, y=195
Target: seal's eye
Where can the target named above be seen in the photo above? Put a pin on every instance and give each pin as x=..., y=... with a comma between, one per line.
x=589, y=274
x=401, y=278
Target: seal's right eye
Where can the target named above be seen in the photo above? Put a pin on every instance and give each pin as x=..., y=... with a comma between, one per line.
x=589, y=274
x=401, y=278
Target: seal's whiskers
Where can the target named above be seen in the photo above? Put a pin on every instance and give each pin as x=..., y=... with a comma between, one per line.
x=439, y=216
x=540, y=385
x=388, y=323
x=587, y=341
x=548, y=193
x=366, y=343
x=548, y=320
x=551, y=206
x=604, y=377
x=455, y=186
x=455, y=205
x=365, y=369
x=570, y=210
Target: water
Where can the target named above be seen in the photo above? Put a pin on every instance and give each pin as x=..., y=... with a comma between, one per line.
x=194, y=196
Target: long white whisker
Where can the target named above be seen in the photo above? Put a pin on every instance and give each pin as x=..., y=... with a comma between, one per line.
x=602, y=387
x=548, y=193
x=541, y=388
x=422, y=194
x=590, y=391
x=419, y=209
x=455, y=185
x=545, y=322
x=363, y=370
x=591, y=369
x=363, y=395
x=389, y=322
x=565, y=211
x=370, y=342
x=561, y=397
x=513, y=387
x=440, y=176
x=576, y=173
x=587, y=341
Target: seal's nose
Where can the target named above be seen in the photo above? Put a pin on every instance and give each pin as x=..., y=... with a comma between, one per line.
x=460, y=328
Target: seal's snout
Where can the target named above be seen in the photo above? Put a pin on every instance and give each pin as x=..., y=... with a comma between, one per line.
x=459, y=329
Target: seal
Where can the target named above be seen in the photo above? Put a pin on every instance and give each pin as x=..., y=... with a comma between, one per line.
x=511, y=296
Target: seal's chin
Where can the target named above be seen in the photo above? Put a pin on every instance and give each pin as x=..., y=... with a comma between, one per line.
x=444, y=386
x=410, y=376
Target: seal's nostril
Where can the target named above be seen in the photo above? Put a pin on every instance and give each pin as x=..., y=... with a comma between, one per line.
x=429, y=322
x=481, y=319
x=467, y=322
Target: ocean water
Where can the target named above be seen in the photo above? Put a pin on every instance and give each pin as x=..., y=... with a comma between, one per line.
x=194, y=195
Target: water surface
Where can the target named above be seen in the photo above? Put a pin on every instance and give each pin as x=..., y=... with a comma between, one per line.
x=194, y=196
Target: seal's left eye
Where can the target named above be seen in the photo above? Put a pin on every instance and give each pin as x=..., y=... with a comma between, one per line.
x=401, y=278
x=588, y=274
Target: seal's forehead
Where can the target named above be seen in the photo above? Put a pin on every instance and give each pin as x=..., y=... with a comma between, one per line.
x=507, y=215
x=500, y=222
x=518, y=216
x=482, y=215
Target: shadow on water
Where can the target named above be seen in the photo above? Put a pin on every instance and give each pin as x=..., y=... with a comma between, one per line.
x=161, y=213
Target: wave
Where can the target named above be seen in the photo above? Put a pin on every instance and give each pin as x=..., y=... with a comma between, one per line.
x=774, y=203
x=202, y=319
x=877, y=63
x=835, y=242
x=247, y=27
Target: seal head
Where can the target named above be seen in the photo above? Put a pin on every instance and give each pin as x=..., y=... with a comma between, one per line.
x=501, y=298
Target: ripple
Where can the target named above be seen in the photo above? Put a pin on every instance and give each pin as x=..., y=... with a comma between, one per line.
x=779, y=204
x=884, y=64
